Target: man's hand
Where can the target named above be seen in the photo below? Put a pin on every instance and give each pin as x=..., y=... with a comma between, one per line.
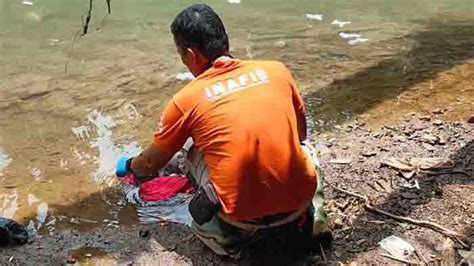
x=123, y=166
x=147, y=164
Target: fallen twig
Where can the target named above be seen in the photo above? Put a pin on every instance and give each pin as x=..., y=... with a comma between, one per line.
x=324, y=255
x=88, y=19
x=400, y=260
x=461, y=239
x=420, y=255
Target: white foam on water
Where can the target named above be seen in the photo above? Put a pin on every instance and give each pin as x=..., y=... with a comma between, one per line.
x=37, y=174
x=185, y=75
x=4, y=161
x=32, y=199
x=233, y=1
x=353, y=38
x=9, y=204
x=81, y=132
x=356, y=41
x=109, y=153
x=314, y=16
x=349, y=35
x=340, y=23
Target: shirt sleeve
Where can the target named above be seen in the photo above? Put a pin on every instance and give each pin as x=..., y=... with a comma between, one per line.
x=172, y=129
x=298, y=102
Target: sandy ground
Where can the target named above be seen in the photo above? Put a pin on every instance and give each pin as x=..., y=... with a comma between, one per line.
x=444, y=197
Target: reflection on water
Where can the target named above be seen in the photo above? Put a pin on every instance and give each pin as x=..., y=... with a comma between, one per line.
x=372, y=61
x=4, y=161
x=9, y=204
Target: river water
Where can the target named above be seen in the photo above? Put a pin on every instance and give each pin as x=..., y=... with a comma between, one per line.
x=69, y=108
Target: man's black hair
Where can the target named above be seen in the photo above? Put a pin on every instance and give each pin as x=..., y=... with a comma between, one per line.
x=198, y=26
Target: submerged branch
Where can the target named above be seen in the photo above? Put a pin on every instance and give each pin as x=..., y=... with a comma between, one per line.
x=88, y=19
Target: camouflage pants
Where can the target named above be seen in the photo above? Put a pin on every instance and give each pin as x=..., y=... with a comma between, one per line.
x=217, y=234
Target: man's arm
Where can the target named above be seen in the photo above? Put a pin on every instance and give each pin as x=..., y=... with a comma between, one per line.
x=298, y=104
x=150, y=161
x=301, y=124
x=168, y=139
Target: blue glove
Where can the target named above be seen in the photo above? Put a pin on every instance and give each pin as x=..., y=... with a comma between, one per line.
x=123, y=166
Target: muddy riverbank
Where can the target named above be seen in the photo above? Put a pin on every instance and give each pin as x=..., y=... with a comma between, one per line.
x=351, y=157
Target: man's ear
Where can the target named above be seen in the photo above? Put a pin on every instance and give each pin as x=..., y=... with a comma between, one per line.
x=198, y=57
x=192, y=56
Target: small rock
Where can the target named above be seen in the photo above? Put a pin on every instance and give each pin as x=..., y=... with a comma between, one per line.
x=437, y=122
x=348, y=129
x=74, y=221
x=419, y=127
x=438, y=111
x=360, y=242
x=71, y=260
x=425, y=118
x=369, y=153
x=437, y=190
x=442, y=141
x=470, y=120
x=280, y=44
x=361, y=123
x=414, y=201
x=429, y=138
x=337, y=223
x=171, y=247
x=345, y=147
x=88, y=255
x=400, y=139
x=428, y=147
x=144, y=233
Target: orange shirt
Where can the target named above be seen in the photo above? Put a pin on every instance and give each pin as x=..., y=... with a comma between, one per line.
x=242, y=117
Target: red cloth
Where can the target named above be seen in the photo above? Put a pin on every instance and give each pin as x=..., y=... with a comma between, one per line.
x=161, y=188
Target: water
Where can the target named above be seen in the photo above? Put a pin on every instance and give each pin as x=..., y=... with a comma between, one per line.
x=68, y=111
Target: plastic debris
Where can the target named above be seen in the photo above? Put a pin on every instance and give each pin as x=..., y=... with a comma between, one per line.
x=28, y=3
x=397, y=247
x=233, y=1
x=184, y=76
x=468, y=256
x=340, y=24
x=413, y=184
x=314, y=16
x=341, y=161
x=12, y=233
